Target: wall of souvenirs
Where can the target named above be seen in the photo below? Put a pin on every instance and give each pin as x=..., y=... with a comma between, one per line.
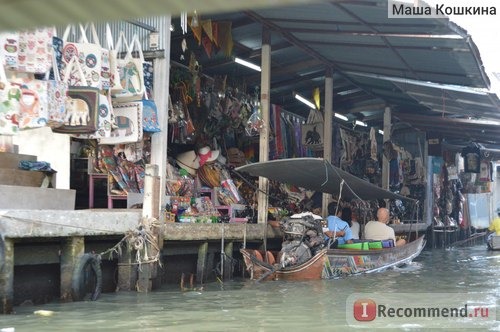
x=101, y=94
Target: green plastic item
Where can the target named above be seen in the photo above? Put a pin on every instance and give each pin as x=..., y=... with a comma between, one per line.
x=356, y=246
x=375, y=245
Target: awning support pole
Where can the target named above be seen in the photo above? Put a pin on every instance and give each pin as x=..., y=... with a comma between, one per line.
x=327, y=134
x=265, y=87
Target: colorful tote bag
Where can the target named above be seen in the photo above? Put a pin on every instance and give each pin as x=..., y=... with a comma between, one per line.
x=89, y=57
x=104, y=119
x=57, y=91
x=114, y=81
x=147, y=68
x=128, y=118
x=150, y=116
x=9, y=47
x=33, y=102
x=9, y=105
x=131, y=74
x=105, y=79
x=81, y=103
x=35, y=50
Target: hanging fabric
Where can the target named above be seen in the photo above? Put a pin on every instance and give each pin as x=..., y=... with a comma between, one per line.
x=312, y=131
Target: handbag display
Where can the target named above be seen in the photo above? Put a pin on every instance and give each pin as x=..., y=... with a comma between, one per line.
x=131, y=73
x=81, y=103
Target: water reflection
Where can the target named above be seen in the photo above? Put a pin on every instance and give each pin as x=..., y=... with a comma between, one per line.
x=242, y=305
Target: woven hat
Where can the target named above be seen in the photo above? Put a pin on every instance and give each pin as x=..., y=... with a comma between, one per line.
x=189, y=161
x=206, y=155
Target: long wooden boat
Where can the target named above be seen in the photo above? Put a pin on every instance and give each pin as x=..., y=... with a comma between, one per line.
x=494, y=242
x=320, y=175
x=332, y=263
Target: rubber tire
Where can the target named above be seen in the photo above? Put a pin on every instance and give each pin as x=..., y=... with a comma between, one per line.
x=88, y=263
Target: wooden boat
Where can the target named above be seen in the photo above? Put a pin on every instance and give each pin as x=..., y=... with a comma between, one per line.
x=320, y=175
x=333, y=263
x=494, y=242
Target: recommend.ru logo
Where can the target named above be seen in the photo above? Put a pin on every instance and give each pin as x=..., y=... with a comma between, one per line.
x=426, y=310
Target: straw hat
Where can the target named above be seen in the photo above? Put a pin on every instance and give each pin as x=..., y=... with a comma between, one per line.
x=189, y=161
x=206, y=155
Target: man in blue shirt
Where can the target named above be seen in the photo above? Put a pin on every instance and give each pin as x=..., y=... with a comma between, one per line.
x=338, y=230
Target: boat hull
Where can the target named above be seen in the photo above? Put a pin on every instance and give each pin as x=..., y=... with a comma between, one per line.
x=259, y=270
x=494, y=242
x=334, y=263
x=345, y=262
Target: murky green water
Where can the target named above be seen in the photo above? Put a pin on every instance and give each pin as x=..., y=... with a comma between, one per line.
x=269, y=306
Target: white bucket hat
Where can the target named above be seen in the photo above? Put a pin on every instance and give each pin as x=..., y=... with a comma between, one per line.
x=189, y=161
x=206, y=155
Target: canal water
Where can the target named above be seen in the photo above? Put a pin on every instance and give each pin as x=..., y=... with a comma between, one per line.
x=242, y=305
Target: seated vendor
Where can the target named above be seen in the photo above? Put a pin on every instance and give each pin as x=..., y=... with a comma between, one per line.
x=378, y=230
x=338, y=231
x=495, y=225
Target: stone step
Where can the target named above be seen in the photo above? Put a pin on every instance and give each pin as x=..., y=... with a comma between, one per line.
x=11, y=160
x=18, y=177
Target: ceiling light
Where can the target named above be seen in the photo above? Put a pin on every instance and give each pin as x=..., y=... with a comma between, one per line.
x=360, y=123
x=305, y=101
x=381, y=132
x=247, y=64
x=348, y=92
x=341, y=116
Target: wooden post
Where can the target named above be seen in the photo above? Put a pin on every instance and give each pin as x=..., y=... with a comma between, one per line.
x=265, y=89
x=159, y=141
x=327, y=134
x=72, y=249
x=150, y=209
x=7, y=277
x=127, y=272
x=201, y=266
x=387, y=137
x=228, y=262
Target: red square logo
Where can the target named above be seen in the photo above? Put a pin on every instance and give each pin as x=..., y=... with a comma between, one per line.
x=364, y=310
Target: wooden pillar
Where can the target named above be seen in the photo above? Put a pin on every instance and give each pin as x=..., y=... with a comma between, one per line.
x=159, y=141
x=265, y=88
x=387, y=137
x=150, y=209
x=7, y=277
x=72, y=249
x=127, y=272
x=327, y=128
x=228, y=262
x=201, y=266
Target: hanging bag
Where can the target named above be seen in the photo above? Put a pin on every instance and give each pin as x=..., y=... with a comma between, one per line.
x=128, y=118
x=115, y=84
x=57, y=91
x=33, y=101
x=81, y=103
x=105, y=72
x=149, y=115
x=9, y=105
x=312, y=131
x=88, y=55
x=131, y=74
x=35, y=50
